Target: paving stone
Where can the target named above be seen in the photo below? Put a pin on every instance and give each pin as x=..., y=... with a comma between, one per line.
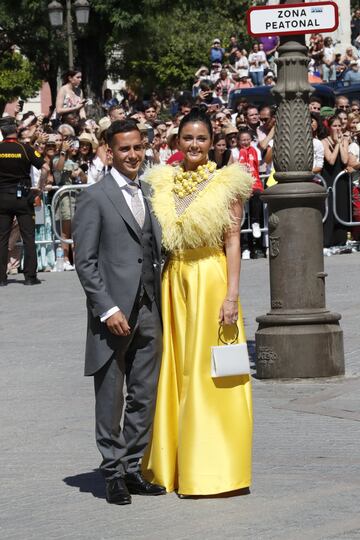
x=306, y=459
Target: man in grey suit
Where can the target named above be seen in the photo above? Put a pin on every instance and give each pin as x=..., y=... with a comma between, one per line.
x=118, y=242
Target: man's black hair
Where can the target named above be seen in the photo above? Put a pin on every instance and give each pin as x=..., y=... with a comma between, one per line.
x=8, y=129
x=120, y=126
x=315, y=98
x=8, y=126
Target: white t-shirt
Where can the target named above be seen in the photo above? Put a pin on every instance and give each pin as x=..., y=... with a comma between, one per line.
x=242, y=66
x=354, y=149
x=96, y=171
x=259, y=58
x=318, y=154
x=328, y=53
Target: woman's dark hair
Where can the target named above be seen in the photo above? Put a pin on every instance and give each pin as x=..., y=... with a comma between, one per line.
x=196, y=115
x=333, y=119
x=70, y=73
x=320, y=131
x=120, y=126
x=219, y=137
x=340, y=111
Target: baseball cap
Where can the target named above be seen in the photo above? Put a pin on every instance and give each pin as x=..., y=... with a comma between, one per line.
x=327, y=112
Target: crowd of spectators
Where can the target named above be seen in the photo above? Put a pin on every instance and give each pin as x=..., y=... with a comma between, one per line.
x=72, y=138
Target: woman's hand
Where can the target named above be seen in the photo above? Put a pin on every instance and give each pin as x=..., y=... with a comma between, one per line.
x=80, y=105
x=229, y=311
x=65, y=146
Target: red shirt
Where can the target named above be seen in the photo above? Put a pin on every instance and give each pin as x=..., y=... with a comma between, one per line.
x=249, y=157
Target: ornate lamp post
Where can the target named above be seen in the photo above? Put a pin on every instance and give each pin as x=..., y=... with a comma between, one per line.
x=298, y=337
x=82, y=10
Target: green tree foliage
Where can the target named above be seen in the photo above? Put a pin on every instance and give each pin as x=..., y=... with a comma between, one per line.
x=162, y=43
x=159, y=42
x=17, y=78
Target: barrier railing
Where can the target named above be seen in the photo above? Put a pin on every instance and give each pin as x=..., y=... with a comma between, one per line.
x=318, y=179
x=246, y=214
x=65, y=195
x=336, y=215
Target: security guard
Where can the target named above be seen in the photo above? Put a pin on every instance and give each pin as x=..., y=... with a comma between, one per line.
x=17, y=198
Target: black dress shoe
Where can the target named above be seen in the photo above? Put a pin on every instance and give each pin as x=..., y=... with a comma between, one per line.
x=32, y=281
x=137, y=484
x=3, y=283
x=117, y=492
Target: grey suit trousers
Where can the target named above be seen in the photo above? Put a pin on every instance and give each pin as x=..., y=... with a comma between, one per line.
x=137, y=364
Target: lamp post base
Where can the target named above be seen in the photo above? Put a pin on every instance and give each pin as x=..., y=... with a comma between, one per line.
x=299, y=346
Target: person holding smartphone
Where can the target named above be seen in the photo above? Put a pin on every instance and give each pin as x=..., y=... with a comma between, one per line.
x=70, y=97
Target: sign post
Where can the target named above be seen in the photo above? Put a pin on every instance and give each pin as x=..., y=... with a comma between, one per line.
x=298, y=337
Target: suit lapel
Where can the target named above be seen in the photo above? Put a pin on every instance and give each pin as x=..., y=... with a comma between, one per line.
x=146, y=191
x=116, y=197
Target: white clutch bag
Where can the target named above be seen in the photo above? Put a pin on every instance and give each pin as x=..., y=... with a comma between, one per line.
x=229, y=359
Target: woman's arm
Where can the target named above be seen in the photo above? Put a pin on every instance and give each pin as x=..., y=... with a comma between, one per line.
x=330, y=155
x=59, y=165
x=265, y=142
x=344, y=149
x=229, y=309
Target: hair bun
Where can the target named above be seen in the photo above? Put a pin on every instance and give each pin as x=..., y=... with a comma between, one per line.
x=197, y=114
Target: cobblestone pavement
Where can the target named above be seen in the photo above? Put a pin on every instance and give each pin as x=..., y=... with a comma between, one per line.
x=306, y=467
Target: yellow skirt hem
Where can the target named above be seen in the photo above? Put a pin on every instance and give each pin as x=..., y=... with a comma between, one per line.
x=215, y=491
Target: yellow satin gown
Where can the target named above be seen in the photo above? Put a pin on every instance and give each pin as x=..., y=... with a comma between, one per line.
x=202, y=431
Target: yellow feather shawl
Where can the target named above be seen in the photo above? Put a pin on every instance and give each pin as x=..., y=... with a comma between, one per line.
x=206, y=219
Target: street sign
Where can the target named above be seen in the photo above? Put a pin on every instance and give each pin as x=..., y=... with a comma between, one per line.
x=286, y=19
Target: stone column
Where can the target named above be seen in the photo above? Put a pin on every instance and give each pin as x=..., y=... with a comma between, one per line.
x=299, y=336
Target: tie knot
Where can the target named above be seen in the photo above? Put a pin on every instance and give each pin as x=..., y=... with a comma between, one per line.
x=132, y=188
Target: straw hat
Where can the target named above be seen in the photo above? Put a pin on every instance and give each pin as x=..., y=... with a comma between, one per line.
x=230, y=130
x=268, y=75
x=142, y=127
x=104, y=124
x=87, y=138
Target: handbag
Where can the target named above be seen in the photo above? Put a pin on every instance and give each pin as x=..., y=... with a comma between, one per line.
x=229, y=359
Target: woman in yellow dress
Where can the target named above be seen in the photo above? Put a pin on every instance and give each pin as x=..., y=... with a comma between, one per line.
x=202, y=432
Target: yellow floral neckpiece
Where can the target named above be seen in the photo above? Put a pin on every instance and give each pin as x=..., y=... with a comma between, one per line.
x=185, y=182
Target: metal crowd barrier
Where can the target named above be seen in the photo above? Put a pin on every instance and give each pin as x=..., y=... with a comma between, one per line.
x=336, y=215
x=64, y=195
x=70, y=191
x=246, y=215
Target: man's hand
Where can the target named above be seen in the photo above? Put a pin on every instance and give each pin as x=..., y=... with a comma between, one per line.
x=118, y=325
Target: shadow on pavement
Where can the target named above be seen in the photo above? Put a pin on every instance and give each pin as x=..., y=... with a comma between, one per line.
x=90, y=482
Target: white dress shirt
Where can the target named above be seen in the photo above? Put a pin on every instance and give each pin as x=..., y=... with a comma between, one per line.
x=122, y=181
